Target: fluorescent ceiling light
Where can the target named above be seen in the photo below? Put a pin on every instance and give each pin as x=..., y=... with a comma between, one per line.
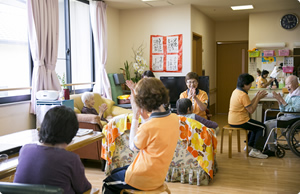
x=158, y=0
x=242, y=7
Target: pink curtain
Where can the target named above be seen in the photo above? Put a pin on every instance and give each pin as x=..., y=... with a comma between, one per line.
x=99, y=28
x=43, y=40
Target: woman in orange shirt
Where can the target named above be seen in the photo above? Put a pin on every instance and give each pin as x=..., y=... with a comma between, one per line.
x=156, y=139
x=198, y=97
x=239, y=109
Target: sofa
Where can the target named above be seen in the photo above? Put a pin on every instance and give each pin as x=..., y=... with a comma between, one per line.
x=91, y=121
x=194, y=160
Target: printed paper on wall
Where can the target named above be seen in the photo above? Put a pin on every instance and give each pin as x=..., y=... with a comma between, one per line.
x=166, y=53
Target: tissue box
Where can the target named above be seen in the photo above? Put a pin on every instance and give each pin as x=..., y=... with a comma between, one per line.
x=269, y=53
x=284, y=52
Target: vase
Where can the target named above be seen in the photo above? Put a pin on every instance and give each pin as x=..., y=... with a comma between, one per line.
x=67, y=94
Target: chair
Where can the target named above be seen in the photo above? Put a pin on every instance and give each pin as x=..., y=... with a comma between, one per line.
x=184, y=168
x=230, y=129
x=289, y=128
x=18, y=188
x=161, y=189
x=115, y=81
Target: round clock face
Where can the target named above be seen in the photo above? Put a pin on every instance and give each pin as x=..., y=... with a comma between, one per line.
x=289, y=21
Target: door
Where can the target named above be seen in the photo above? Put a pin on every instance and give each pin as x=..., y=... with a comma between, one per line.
x=232, y=60
x=197, y=54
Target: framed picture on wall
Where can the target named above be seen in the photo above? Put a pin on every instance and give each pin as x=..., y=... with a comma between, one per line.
x=166, y=53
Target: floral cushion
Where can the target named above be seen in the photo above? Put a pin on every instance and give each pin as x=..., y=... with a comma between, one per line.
x=194, y=157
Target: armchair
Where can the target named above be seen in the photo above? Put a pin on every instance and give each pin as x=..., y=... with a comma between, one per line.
x=194, y=159
x=90, y=121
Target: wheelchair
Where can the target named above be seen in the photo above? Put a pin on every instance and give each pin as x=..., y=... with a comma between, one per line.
x=289, y=137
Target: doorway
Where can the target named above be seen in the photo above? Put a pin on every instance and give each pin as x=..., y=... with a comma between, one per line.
x=232, y=60
x=197, y=54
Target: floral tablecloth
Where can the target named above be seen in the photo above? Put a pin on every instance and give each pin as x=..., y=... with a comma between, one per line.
x=199, y=140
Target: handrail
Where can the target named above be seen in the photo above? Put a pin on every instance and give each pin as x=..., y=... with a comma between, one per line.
x=29, y=88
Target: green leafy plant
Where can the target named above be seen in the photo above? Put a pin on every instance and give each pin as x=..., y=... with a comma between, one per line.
x=126, y=69
x=62, y=80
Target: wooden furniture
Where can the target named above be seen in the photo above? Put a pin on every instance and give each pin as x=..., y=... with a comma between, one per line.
x=31, y=136
x=93, y=150
x=230, y=129
x=161, y=189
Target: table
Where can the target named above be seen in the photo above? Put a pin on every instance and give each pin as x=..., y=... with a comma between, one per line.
x=257, y=115
x=31, y=136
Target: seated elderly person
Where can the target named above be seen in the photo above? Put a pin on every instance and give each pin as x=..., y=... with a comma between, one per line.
x=88, y=101
x=291, y=103
x=198, y=97
x=185, y=108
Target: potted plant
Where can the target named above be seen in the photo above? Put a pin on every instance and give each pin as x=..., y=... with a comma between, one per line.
x=126, y=70
x=66, y=91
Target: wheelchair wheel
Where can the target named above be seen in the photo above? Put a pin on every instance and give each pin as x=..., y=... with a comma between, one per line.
x=294, y=138
x=280, y=153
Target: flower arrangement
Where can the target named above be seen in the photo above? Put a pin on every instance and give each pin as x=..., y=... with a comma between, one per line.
x=139, y=64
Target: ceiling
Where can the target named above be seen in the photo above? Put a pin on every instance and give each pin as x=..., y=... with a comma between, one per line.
x=217, y=10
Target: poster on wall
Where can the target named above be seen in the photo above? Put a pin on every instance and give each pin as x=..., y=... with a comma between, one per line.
x=166, y=53
x=268, y=63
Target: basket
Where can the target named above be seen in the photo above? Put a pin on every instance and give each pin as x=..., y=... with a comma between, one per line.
x=288, y=69
x=269, y=53
x=284, y=52
x=254, y=53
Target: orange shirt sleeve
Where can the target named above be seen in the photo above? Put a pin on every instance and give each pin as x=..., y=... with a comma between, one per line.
x=142, y=138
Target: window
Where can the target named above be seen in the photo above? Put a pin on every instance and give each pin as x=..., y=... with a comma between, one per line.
x=14, y=50
x=76, y=54
x=75, y=50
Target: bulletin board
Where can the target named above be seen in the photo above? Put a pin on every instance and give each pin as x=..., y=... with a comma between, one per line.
x=166, y=53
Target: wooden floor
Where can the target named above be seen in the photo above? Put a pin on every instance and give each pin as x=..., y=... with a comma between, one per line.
x=239, y=174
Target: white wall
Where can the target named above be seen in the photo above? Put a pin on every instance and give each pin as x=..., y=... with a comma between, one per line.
x=265, y=28
x=232, y=31
x=136, y=26
x=204, y=26
x=15, y=117
x=113, y=62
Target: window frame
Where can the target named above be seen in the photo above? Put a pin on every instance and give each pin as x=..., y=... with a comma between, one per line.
x=20, y=98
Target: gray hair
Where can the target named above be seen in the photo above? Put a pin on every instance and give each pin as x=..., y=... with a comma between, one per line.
x=86, y=96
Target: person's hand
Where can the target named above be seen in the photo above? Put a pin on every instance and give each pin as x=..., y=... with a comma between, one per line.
x=192, y=93
x=261, y=94
x=278, y=97
x=135, y=109
x=103, y=108
x=130, y=84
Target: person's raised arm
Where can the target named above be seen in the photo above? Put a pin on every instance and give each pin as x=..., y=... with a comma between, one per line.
x=200, y=104
x=136, y=111
x=254, y=102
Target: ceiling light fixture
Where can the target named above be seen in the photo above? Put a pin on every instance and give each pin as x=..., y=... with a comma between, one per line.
x=152, y=0
x=242, y=7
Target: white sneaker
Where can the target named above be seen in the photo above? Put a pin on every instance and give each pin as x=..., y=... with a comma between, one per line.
x=249, y=148
x=257, y=154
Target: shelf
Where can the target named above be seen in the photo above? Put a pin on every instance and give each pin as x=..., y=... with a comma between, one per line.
x=277, y=56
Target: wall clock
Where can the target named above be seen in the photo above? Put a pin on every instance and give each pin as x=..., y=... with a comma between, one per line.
x=289, y=21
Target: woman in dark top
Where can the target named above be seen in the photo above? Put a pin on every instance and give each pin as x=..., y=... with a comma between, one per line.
x=48, y=162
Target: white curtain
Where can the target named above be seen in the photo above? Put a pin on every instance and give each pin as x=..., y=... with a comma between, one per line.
x=99, y=28
x=43, y=40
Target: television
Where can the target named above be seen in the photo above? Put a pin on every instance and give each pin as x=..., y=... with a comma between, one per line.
x=176, y=85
